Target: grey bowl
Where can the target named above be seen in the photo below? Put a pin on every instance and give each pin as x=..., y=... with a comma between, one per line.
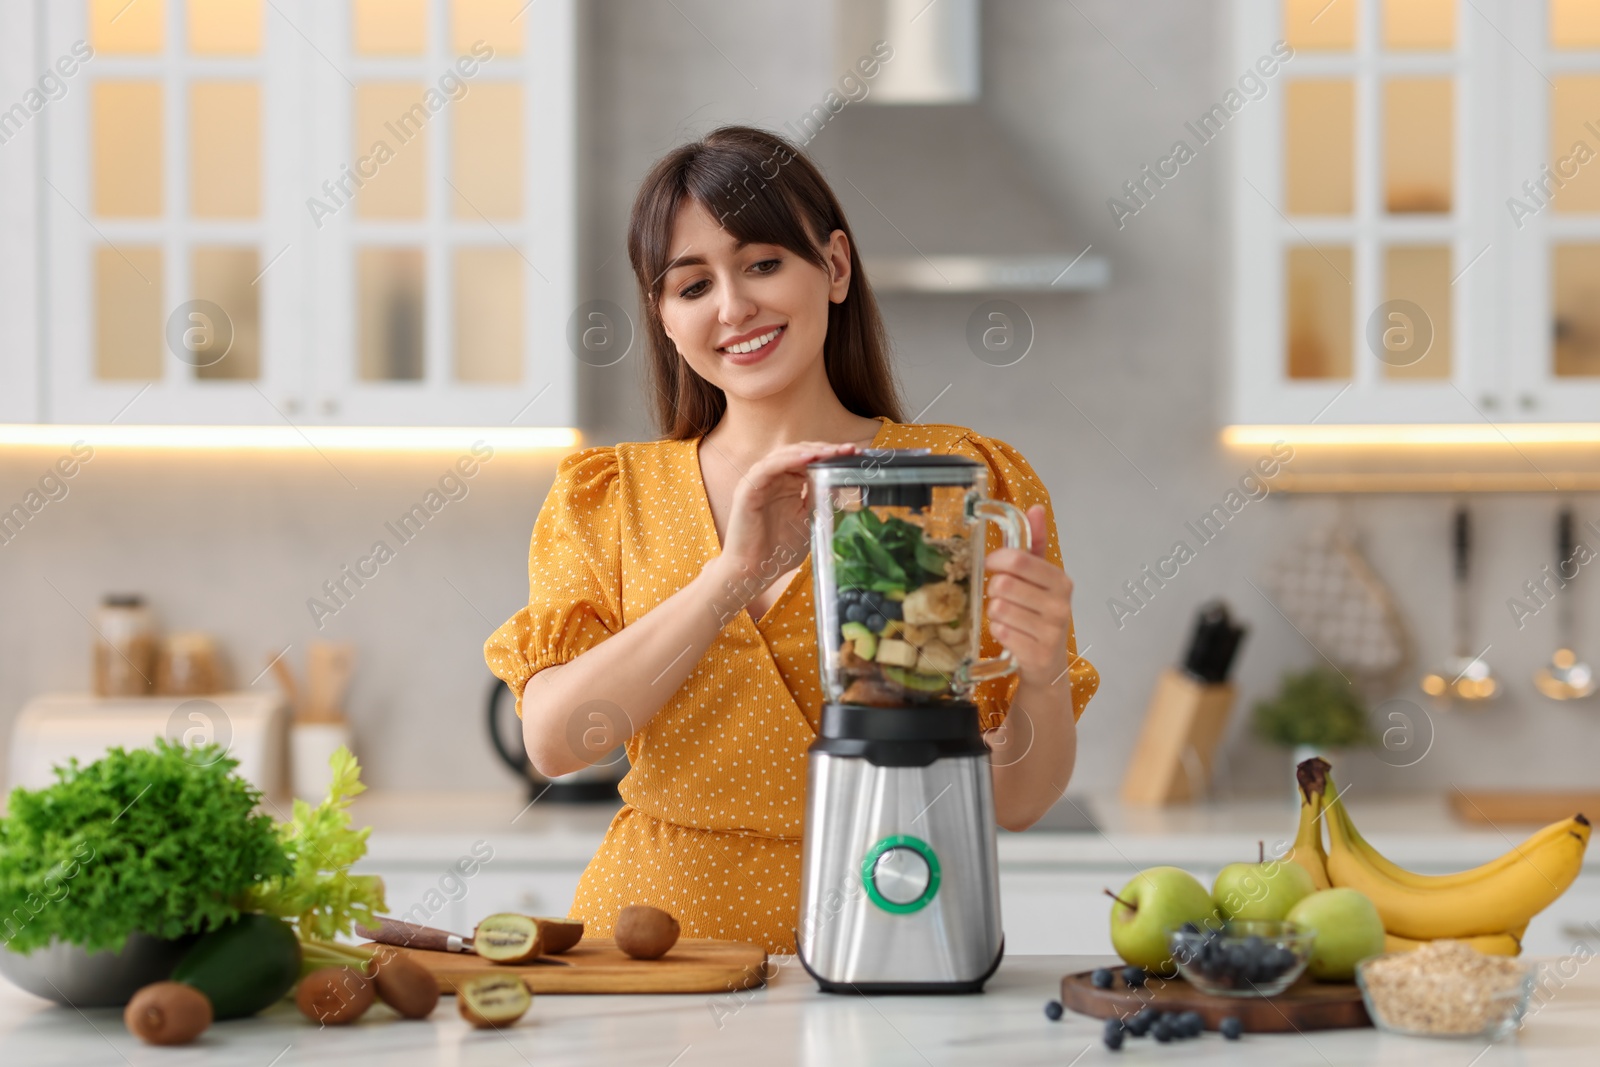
x=68, y=975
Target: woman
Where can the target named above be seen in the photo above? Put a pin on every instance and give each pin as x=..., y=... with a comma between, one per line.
x=655, y=615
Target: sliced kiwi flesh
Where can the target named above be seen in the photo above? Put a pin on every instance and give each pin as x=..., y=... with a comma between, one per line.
x=508, y=938
x=493, y=1000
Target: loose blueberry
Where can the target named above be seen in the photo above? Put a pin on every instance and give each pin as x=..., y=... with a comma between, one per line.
x=1161, y=1032
x=1134, y=977
x=1101, y=978
x=1192, y=1023
x=1052, y=1010
x=1232, y=1028
x=1113, y=1039
x=1114, y=1025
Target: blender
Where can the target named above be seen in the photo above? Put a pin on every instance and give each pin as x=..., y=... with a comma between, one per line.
x=899, y=886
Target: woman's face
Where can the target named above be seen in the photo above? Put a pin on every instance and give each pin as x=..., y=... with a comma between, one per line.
x=749, y=320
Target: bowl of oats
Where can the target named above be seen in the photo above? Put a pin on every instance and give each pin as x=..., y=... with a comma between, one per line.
x=1446, y=989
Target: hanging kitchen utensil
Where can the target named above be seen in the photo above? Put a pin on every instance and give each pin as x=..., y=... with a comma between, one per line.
x=1566, y=677
x=1466, y=675
x=1330, y=593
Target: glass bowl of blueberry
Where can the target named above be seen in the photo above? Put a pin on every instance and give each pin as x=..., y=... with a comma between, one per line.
x=1242, y=958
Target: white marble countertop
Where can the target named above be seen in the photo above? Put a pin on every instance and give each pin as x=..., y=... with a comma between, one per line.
x=787, y=1023
x=433, y=828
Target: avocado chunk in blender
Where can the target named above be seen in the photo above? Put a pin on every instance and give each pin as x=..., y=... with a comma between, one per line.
x=861, y=635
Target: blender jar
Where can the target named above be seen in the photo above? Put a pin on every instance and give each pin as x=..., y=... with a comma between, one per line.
x=897, y=556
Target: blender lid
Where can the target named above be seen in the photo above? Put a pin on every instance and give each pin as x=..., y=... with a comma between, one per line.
x=911, y=464
x=902, y=477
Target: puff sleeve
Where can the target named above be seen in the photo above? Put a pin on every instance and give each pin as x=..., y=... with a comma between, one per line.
x=1012, y=479
x=574, y=574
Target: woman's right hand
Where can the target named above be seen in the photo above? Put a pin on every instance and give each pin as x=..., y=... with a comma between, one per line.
x=769, y=526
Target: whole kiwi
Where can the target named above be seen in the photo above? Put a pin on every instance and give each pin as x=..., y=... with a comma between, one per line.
x=168, y=1013
x=334, y=995
x=645, y=933
x=404, y=984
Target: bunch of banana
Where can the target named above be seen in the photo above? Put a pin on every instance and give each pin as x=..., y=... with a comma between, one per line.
x=1489, y=906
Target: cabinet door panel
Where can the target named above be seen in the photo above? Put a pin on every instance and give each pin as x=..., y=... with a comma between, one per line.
x=543, y=891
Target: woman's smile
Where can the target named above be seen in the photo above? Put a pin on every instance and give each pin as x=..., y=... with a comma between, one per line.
x=752, y=347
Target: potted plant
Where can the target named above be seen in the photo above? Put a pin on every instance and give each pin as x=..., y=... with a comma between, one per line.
x=1315, y=713
x=109, y=874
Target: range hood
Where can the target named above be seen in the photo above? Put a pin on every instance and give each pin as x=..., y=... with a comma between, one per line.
x=939, y=198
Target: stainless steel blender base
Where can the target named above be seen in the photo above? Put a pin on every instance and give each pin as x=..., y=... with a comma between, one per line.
x=899, y=881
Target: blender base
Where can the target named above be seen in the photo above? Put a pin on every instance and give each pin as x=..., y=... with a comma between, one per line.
x=909, y=989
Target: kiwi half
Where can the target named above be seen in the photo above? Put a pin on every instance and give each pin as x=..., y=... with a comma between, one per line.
x=493, y=1000
x=559, y=935
x=508, y=938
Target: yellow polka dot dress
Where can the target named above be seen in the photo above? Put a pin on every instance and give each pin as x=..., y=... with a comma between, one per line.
x=714, y=802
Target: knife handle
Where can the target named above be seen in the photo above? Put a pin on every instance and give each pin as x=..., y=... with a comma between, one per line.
x=410, y=935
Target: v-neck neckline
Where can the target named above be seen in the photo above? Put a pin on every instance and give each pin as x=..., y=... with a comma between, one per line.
x=708, y=523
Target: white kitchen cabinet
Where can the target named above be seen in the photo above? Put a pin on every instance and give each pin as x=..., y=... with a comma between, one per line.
x=531, y=891
x=1573, y=920
x=433, y=894
x=408, y=308
x=1383, y=201
x=1063, y=910
x=19, y=164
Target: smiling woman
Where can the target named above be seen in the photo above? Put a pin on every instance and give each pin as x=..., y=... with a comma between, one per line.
x=752, y=200
x=670, y=602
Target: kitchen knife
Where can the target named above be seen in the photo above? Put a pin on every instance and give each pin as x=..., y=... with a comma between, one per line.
x=402, y=934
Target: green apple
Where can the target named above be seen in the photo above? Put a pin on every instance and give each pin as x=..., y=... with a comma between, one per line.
x=1347, y=929
x=1262, y=891
x=1151, y=906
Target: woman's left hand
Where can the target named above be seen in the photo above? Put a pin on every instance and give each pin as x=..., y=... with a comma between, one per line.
x=1030, y=605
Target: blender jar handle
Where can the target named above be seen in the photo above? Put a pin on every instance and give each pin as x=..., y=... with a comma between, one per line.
x=1014, y=528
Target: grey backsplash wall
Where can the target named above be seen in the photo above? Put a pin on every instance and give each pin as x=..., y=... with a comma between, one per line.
x=235, y=544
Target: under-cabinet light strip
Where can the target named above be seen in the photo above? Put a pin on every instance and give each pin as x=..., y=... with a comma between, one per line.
x=1417, y=434
x=294, y=438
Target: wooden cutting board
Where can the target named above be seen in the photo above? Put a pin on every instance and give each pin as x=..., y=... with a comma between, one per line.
x=1306, y=1005
x=596, y=965
x=1522, y=806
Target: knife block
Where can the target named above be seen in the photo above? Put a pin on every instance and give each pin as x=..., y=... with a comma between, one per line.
x=1171, y=763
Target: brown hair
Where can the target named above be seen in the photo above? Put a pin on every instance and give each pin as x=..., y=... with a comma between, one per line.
x=762, y=189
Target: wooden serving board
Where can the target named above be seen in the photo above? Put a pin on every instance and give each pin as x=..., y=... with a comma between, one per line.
x=1306, y=1005
x=1528, y=807
x=596, y=965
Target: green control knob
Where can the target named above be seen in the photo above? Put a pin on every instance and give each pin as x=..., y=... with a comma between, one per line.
x=901, y=874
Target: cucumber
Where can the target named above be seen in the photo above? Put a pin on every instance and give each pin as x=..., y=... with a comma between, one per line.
x=917, y=680
x=243, y=966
